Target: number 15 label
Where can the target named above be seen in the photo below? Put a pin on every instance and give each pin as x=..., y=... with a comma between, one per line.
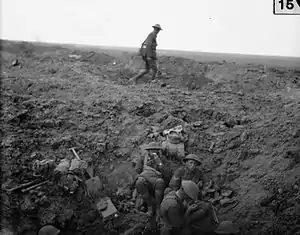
x=286, y=7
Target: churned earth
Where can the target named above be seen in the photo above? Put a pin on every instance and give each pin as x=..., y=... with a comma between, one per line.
x=245, y=119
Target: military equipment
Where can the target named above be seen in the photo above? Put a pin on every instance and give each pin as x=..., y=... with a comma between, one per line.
x=190, y=188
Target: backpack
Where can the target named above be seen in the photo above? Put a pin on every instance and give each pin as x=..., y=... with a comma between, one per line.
x=143, y=49
x=173, y=196
x=168, y=197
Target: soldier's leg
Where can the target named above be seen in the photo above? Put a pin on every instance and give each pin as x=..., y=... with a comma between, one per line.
x=159, y=195
x=152, y=223
x=153, y=67
x=159, y=191
x=139, y=75
x=142, y=72
x=148, y=201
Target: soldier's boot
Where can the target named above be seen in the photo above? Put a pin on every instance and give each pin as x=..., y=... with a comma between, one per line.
x=151, y=223
x=154, y=75
x=138, y=76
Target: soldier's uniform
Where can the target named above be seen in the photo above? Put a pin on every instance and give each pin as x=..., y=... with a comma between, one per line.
x=143, y=161
x=172, y=211
x=146, y=160
x=183, y=173
x=179, y=217
x=150, y=183
x=150, y=186
x=176, y=213
x=205, y=225
x=148, y=54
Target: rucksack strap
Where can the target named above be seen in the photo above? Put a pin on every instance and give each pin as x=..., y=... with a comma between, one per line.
x=174, y=197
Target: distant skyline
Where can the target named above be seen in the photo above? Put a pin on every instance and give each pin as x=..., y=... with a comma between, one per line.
x=235, y=26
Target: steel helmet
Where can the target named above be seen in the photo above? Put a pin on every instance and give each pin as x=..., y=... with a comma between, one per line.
x=193, y=157
x=49, y=230
x=153, y=145
x=157, y=26
x=190, y=188
x=227, y=227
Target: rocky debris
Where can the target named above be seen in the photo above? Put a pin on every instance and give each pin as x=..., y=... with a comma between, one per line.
x=218, y=196
x=281, y=203
x=75, y=56
x=146, y=109
x=122, y=176
x=296, y=134
x=16, y=63
x=122, y=153
x=197, y=124
x=294, y=153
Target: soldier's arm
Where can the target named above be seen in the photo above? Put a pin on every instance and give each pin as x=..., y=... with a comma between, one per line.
x=175, y=216
x=139, y=165
x=176, y=179
x=199, y=180
x=201, y=210
x=149, y=42
x=195, y=216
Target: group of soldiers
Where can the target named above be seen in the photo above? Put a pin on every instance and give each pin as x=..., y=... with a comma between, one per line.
x=174, y=199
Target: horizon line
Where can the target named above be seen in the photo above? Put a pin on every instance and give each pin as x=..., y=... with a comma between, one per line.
x=131, y=47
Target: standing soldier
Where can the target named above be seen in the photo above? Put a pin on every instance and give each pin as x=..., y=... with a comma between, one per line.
x=190, y=171
x=148, y=53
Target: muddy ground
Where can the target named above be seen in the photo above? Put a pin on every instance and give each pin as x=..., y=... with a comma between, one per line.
x=244, y=118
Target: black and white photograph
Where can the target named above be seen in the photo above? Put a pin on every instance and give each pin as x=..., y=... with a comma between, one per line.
x=150, y=117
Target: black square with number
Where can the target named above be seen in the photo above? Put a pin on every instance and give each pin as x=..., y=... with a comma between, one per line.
x=286, y=7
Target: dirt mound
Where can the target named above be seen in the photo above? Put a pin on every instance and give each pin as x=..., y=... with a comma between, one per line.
x=177, y=71
x=93, y=58
x=246, y=120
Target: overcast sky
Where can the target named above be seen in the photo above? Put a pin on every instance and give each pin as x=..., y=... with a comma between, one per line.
x=234, y=26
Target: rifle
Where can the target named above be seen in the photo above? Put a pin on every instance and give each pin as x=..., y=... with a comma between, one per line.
x=216, y=219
